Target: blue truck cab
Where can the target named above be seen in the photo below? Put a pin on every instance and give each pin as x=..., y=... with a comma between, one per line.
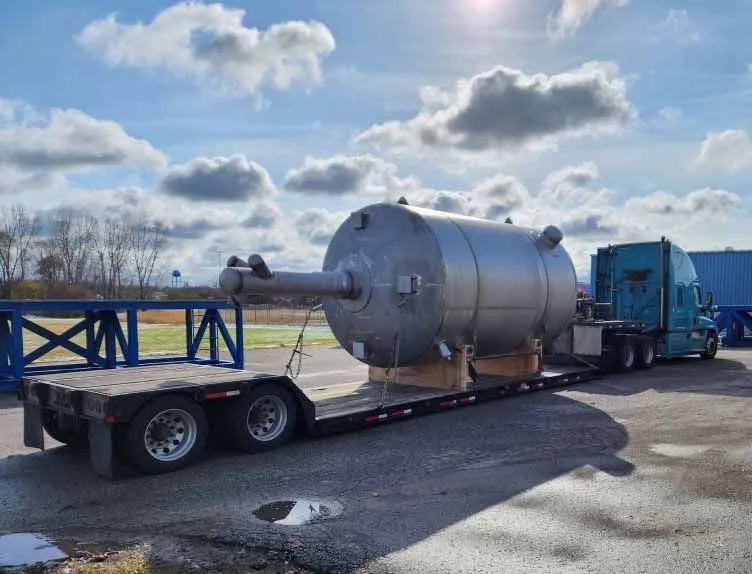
x=654, y=285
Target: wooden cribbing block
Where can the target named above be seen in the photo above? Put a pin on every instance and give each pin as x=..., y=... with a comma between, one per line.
x=526, y=363
x=441, y=374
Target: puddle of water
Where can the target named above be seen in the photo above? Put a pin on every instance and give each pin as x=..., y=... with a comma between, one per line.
x=27, y=549
x=296, y=512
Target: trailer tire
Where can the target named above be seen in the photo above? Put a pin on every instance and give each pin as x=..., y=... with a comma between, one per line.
x=263, y=419
x=645, y=352
x=68, y=434
x=711, y=347
x=624, y=357
x=166, y=434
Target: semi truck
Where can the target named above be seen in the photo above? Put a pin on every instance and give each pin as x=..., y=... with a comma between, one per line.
x=402, y=287
x=647, y=302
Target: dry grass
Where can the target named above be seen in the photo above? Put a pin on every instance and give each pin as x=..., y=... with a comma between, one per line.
x=127, y=562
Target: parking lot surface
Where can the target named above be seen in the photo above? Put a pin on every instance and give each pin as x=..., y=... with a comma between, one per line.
x=646, y=472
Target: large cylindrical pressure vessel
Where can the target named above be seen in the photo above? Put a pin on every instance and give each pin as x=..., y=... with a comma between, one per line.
x=410, y=279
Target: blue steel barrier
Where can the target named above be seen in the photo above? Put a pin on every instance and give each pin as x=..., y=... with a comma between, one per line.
x=103, y=328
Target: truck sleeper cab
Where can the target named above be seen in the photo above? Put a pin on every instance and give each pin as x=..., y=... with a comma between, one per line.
x=655, y=285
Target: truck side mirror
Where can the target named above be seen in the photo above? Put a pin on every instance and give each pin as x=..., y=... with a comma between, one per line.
x=709, y=299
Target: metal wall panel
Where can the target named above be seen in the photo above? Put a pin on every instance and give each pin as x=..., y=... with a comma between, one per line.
x=728, y=274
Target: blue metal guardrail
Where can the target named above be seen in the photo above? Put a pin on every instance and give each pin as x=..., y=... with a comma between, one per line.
x=734, y=324
x=102, y=327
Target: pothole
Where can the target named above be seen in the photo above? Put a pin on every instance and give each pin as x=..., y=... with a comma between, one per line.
x=296, y=512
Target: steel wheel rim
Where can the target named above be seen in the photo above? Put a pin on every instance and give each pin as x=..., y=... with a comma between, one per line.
x=170, y=435
x=710, y=347
x=267, y=418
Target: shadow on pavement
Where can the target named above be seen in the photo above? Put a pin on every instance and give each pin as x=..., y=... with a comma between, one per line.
x=398, y=484
x=720, y=376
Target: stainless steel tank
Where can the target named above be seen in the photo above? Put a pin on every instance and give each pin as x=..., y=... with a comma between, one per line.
x=402, y=284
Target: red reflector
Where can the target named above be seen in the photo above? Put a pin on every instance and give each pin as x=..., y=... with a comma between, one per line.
x=397, y=413
x=110, y=419
x=219, y=395
x=375, y=418
x=445, y=404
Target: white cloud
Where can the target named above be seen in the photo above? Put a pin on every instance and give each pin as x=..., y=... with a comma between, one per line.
x=210, y=42
x=671, y=114
x=680, y=27
x=264, y=215
x=226, y=179
x=317, y=225
x=72, y=140
x=342, y=175
x=570, y=184
x=730, y=150
x=507, y=110
x=572, y=14
x=705, y=201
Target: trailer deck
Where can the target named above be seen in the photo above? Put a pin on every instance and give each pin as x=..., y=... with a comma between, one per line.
x=329, y=402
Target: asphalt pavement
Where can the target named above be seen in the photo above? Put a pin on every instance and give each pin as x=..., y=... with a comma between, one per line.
x=647, y=472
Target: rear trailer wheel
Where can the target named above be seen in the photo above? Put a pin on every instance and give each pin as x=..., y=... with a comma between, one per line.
x=65, y=429
x=711, y=347
x=645, y=352
x=263, y=419
x=166, y=434
x=625, y=354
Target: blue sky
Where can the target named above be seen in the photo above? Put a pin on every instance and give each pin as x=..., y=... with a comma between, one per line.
x=667, y=151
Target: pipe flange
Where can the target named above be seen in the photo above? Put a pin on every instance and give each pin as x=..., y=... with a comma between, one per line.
x=359, y=269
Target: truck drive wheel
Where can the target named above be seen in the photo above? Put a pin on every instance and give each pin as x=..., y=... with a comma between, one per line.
x=711, y=347
x=624, y=354
x=263, y=419
x=166, y=434
x=645, y=352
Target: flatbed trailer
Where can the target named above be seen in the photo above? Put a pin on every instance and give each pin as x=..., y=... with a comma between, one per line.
x=157, y=418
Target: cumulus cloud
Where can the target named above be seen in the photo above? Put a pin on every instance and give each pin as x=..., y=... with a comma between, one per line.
x=318, y=225
x=702, y=201
x=15, y=181
x=133, y=203
x=224, y=179
x=679, y=26
x=588, y=225
x=341, y=175
x=502, y=193
x=265, y=214
x=508, y=110
x=572, y=14
x=210, y=42
x=69, y=140
x=442, y=200
x=570, y=183
x=730, y=150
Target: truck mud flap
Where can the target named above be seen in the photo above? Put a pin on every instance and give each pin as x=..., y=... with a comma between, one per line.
x=33, y=430
x=101, y=449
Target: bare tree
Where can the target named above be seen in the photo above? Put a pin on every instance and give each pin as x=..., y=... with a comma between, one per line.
x=72, y=236
x=49, y=265
x=112, y=250
x=146, y=242
x=18, y=228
